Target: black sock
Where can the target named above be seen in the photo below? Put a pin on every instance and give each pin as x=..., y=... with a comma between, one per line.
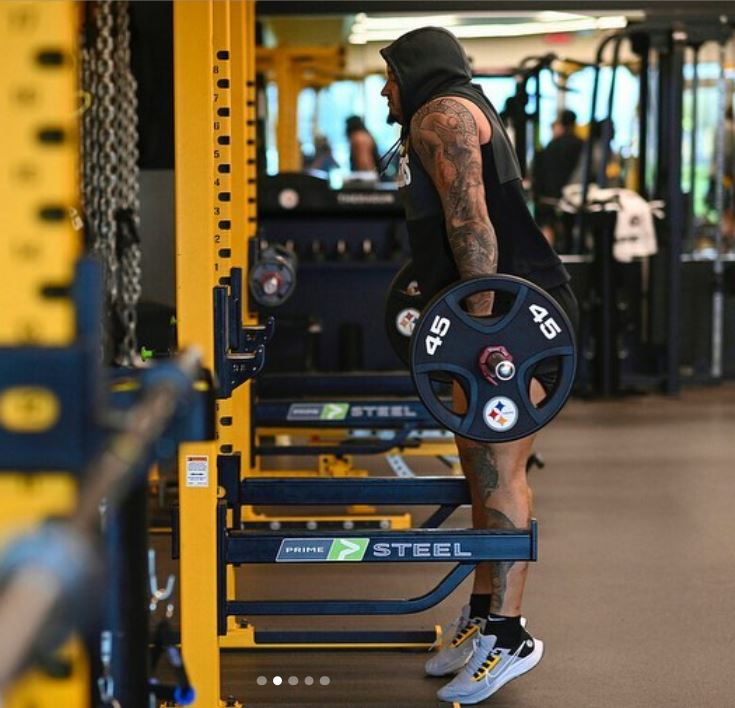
x=508, y=630
x=480, y=604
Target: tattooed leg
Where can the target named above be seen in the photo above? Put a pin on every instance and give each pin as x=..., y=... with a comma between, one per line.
x=500, y=500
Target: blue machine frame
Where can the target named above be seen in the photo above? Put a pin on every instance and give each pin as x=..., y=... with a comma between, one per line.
x=466, y=548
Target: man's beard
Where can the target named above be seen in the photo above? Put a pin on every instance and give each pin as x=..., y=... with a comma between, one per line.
x=391, y=119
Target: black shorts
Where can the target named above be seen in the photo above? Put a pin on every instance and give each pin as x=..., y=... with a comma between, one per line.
x=546, y=371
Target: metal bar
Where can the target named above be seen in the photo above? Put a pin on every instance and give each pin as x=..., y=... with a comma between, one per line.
x=520, y=121
x=221, y=567
x=606, y=133
x=196, y=276
x=285, y=385
x=672, y=72
x=421, y=545
x=288, y=80
x=373, y=490
x=439, y=516
x=693, y=146
x=643, y=102
x=126, y=538
x=579, y=224
x=346, y=637
x=353, y=447
x=228, y=208
x=718, y=294
x=244, y=213
x=373, y=414
x=580, y=221
x=354, y=607
x=607, y=352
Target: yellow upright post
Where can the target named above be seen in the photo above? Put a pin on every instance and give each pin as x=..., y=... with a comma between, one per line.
x=198, y=238
x=289, y=154
x=244, y=197
x=38, y=142
x=227, y=205
x=243, y=212
x=38, y=251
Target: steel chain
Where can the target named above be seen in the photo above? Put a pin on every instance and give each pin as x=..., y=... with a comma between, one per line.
x=109, y=169
x=104, y=183
x=89, y=161
x=85, y=81
x=127, y=142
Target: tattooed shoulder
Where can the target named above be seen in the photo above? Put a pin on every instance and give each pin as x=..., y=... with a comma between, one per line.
x=448, y=111
x=447, y=124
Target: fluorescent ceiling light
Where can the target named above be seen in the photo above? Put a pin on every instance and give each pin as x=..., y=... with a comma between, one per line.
x=405, y=22
x=519, y=29
x=551, y=16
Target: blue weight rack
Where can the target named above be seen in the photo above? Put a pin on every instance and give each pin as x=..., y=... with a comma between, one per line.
x=428, y=544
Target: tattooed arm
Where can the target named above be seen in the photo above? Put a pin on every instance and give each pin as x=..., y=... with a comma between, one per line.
x=445, y=137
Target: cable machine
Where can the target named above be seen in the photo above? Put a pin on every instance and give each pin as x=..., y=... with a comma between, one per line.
x=661, y=46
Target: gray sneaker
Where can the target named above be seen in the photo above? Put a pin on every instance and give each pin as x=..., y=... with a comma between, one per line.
x=453, y=655
x=490, y=668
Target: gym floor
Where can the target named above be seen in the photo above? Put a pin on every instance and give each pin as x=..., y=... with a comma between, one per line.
x=632, y=594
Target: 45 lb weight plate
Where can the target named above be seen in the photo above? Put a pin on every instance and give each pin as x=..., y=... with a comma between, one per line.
x=403, y=307
x=494, y=358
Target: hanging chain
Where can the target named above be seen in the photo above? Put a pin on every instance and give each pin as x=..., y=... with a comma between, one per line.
x=105, y=156
x=86, y=75
x=128, y=202
x=110, y=168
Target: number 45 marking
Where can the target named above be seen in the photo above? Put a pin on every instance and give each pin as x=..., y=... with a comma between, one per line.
x=548, y=326
x=439, y=328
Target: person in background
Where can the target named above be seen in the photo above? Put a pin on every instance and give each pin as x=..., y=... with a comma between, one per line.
x=364, y=154
x=507, y=115
x=728, y=220
x=553, y=169
x=323, y=159
x=728, y=183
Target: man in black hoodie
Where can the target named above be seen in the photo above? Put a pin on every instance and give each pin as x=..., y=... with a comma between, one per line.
x=466, y=215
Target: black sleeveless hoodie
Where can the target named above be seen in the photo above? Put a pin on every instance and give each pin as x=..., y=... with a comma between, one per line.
x=429, y=63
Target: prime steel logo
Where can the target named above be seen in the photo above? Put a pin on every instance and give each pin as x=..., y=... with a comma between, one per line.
x=321, y=550
x=305, y=550
x=318, y=411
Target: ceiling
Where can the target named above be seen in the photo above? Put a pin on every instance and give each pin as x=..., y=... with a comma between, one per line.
x=359, y=23
x=350, y=7
x=384, y=27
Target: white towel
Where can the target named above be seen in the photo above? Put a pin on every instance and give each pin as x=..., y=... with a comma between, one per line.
x=635, y=234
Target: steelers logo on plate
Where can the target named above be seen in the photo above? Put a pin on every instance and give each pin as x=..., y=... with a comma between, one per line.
x=500, y=414
x=406, y=321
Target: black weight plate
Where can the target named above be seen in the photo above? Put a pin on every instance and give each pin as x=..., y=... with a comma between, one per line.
x=532, y=328
x=402, y=312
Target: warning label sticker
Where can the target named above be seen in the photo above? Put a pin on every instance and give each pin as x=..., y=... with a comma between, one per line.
x=197, y=471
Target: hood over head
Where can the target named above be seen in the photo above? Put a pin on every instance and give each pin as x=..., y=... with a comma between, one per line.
x=427, y=62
